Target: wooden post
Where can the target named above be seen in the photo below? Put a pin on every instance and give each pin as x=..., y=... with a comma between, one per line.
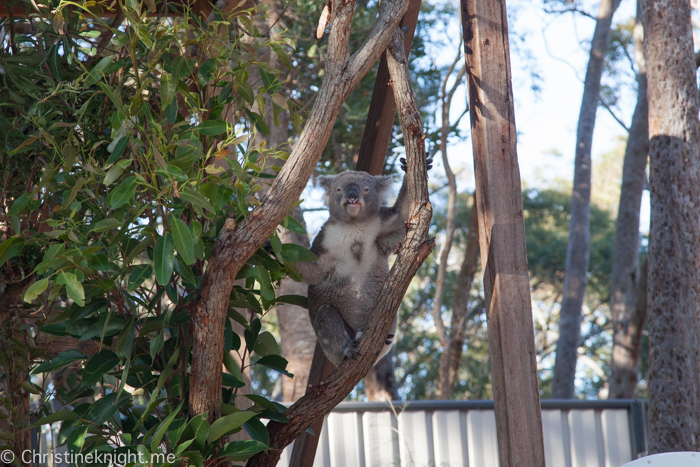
x=502, y=234
x=375, y=141
x=382, y=108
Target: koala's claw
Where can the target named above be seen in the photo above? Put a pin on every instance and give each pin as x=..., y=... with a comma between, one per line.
x=428, y=163
x=350, y=349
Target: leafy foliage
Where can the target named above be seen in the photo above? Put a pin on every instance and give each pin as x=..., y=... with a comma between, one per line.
x=120, y=166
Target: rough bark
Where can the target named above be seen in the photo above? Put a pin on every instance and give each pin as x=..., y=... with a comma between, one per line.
x=502, y=234
x=625, y=268
x=578, y=249
x=236, y=243
x=415, y=247
x=14, y=376
x=674, y=244
x=452, y=356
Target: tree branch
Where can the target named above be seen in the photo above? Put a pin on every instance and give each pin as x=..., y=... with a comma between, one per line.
x=416, y=246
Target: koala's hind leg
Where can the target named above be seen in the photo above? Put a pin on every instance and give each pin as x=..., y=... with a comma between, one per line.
x=332, y=334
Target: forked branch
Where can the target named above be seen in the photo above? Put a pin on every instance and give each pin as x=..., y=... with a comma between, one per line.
x=416, y=246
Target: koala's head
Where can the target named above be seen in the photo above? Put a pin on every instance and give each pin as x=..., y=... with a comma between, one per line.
x=354, y=196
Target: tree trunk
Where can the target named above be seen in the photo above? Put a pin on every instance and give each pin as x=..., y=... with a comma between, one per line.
x=674, y=262
x=14, y=372
x=578, y=249
x=625, y=274
x=502, y=234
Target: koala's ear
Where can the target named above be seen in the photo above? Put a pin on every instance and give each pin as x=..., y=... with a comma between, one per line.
x=326, y=182
x=382, y=183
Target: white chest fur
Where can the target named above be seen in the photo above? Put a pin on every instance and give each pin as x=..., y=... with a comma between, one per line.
x=344, y=241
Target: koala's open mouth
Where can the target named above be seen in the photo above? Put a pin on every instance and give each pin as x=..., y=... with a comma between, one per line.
x=353, y=206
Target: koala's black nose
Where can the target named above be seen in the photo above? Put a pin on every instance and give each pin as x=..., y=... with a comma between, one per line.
x=352, y=193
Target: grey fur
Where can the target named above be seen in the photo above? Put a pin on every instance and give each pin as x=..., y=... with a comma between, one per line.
x=352, y=263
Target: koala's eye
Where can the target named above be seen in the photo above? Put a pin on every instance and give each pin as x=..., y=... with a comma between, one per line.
x=339, y=190
x=366, y=190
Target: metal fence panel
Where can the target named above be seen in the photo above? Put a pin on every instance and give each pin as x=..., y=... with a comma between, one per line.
x=463, y=434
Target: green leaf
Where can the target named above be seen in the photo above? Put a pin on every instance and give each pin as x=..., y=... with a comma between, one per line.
x=257, y=430
x=123, y=192
x=292, y=224
x=266, y=344
x=97, y=72
x=55, y=417
x=98, y=365
x=74, y=288
x=156, y=344
x=298, y=300
x=233, y=371
x=197, y=200
x=266, y=289
x=114, y=173
x=119, y=148
x=197, y=429
x=212, y=127
x=35, y=289
x=163, y=257
x=167, y=89
x=163, y=428
x=242, y=450
x=126, y=340
x=52, y=252
x=105, y=224
x=228, y=423
x=10, y=248
x=276, y=363
x=19, y=204
x=61, y=360
x=184, y=242
x=206, y=69
x=139, y=274
x=76, y=439
x=195, y=458
x=103, y=409
x=293, y=253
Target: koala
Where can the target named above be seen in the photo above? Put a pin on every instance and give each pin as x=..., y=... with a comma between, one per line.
x=352, y=263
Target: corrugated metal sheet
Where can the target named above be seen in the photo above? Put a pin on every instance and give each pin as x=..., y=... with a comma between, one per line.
x=463, y=434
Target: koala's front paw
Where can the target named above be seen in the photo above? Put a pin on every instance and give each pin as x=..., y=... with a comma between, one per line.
x=350, y=349
x=428, y=163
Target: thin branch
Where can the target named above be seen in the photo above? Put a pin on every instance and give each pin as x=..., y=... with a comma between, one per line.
x=607, y=107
